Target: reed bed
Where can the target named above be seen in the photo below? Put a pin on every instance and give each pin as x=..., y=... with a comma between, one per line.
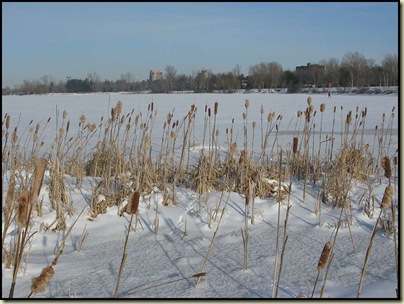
x=126, y=164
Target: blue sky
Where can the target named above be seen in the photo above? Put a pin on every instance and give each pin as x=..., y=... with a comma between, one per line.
x=74, y=39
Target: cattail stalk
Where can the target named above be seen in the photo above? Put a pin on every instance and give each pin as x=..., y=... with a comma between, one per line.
x=133, y=209
x=386, y=201
x=212, y=242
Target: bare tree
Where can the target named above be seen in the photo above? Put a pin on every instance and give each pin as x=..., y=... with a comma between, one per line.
x=390, y=70
x=95, y=81
x=355, y=63
x=126, y=82
x=236, y=70
x=170, y=76
x=275, y=72
x=331, y=70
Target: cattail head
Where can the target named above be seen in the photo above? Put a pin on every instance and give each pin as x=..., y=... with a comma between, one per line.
x=386, y=166
x=209, y=112
x=247, y=199
x=348, y=118
x=247, y=103
x=309, y=100
x=299, y=113
x=324, y=256
x=38, y=179
x=23, y=209
x=387, y=198
x=198, y=275
x=7, y=121
x=14, y=136
x=10, y=197
x=262, y=109
x=216, y=107
x=39, y=283
x=335, y=109
x=134, y=203
x=254, y=124
x=322, y=107
x=244, y=116
x=64, y=114
x=295, y=143
x=61, y=132
x=173, y=134
x=233, y=148
x=83, y=119
x=118, y=108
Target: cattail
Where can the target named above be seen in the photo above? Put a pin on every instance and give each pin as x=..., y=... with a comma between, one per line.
x=233, y=148
x=208, y=112
x=386, y=166
x=68, y=127
x=322, y=107
x=91, y=128
x=299, y=113
x=215, y=109
x=48, y=119
x=14, y=136
x=134, y=203
x=198, y=275
x=113, y=114
x=247, y=199
x=348, y=118
x=39, y=283
x=247, y=103
x=387, y=198
x=173, y=134
x=10, y=196
x=83, y=119
x=295, y=143
x=64, y=114
x=8, y=121
x=254, y=124
x=37, y=127
x=335, y=109
x=217, y=133
x=262, y=109
x=35, y=138
x=23, y=208
x=309, y=100
x=311, y=108
x=244, y=116
x=61, y=132
x=152, y=106
x=38, y=179
x=118, y=108
x=324, y=256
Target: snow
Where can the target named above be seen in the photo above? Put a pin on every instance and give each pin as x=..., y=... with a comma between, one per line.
x=180, y=247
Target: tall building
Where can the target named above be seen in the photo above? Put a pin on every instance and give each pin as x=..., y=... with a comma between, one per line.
x=155, y=75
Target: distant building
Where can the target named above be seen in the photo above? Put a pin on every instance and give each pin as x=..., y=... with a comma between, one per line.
x=155, y=75
x=310, y=74
x=310, y=68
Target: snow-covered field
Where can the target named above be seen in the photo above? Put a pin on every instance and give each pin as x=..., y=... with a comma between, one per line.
x=167, y=260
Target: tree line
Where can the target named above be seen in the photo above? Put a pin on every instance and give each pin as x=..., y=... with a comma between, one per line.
x=354, y=70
